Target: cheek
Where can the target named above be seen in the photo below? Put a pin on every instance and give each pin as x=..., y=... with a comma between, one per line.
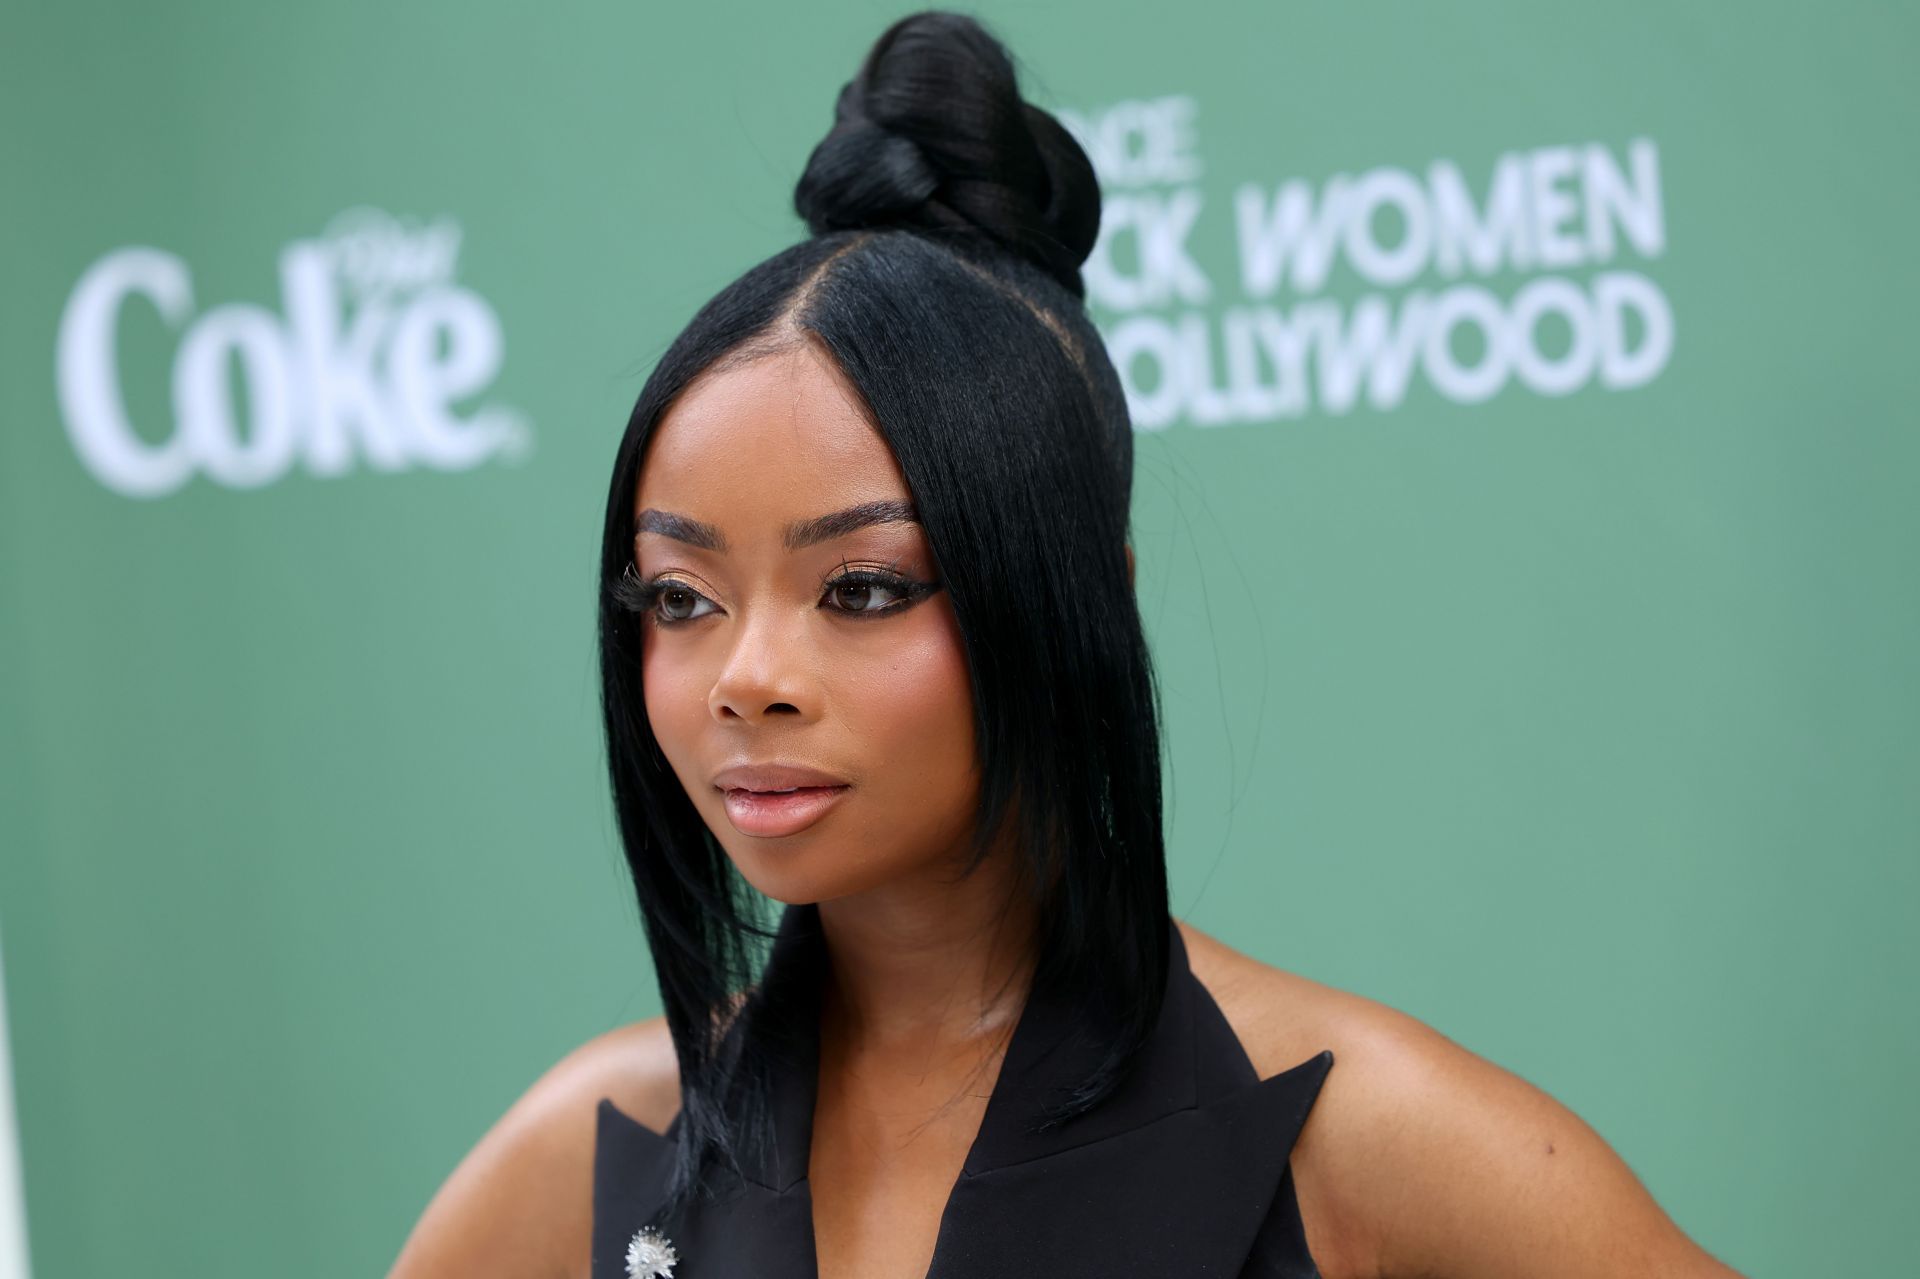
x=916, y=711
x=676, y=690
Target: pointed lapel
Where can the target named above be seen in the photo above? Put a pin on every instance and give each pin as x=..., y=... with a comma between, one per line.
x=1183, y=1171
x=1174, y=1174
x=759, y=1224
x=746, y=1230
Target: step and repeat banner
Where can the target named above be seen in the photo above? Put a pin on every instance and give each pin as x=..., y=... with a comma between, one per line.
x=1526, y=512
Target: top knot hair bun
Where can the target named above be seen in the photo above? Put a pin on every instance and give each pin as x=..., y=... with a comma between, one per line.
x=933, y=134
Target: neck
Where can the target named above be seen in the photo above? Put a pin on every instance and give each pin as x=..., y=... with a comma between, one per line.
x=926, y=963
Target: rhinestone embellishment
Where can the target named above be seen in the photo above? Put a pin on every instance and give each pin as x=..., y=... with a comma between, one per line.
x=650, y=1255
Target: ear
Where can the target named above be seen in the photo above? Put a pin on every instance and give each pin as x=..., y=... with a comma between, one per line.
x=1129, y=565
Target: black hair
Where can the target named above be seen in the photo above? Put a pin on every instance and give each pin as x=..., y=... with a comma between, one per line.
x=949, y=219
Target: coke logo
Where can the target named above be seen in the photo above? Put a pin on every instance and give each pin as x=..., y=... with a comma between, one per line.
x=368, y=366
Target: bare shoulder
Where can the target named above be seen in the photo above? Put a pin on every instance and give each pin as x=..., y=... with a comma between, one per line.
x=1422, y=1158
x=633, y=1067
x=1281, y=1018
x=521, y=1202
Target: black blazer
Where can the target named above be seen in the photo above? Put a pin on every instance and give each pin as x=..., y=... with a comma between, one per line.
x=1182, y=1172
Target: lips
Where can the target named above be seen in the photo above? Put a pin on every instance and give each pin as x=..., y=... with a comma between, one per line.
x=770, y=800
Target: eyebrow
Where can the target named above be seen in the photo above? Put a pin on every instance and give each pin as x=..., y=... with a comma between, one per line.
x=795, y=537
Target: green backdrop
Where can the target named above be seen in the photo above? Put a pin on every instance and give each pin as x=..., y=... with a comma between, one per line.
x=1525, y=516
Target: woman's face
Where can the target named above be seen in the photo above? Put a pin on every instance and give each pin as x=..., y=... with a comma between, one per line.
x=765, y=647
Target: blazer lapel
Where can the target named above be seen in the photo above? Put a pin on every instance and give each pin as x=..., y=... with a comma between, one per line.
x=1183, y=1171
x=757, y=1224
x=746, y=1230
x=1174, y=1174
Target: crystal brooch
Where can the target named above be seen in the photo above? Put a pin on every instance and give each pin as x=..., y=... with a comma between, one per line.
x=650, y=1255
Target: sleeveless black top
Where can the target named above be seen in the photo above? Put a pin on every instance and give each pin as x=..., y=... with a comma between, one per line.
x=1181, y=1172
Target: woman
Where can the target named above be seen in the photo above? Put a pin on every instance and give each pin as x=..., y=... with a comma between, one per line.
x=870, y=649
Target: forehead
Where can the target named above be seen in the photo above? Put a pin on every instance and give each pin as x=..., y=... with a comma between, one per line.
x=780, y=437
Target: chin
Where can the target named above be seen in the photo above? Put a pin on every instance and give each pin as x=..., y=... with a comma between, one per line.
x=791, y=870
x=788, y=887
x=797, y=871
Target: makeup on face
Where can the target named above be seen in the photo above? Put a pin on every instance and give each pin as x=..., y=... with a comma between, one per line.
x=804, y=673
x=860, y=589
x=770, y=814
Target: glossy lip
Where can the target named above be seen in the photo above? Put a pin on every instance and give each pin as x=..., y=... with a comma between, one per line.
x=770, y=800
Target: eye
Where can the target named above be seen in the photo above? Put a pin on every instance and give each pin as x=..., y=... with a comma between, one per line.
x=858, y=597
x=667, y=601
x=677, y=602
x=856, y=591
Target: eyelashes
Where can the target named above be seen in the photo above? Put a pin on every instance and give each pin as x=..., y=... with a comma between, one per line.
x=646, y=598
x=633, y=595
x=643, y=598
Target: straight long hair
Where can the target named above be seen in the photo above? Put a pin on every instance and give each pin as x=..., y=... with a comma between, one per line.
x=977, y=365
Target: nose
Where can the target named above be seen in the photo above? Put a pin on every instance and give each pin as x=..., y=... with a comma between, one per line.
x=765, y=672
